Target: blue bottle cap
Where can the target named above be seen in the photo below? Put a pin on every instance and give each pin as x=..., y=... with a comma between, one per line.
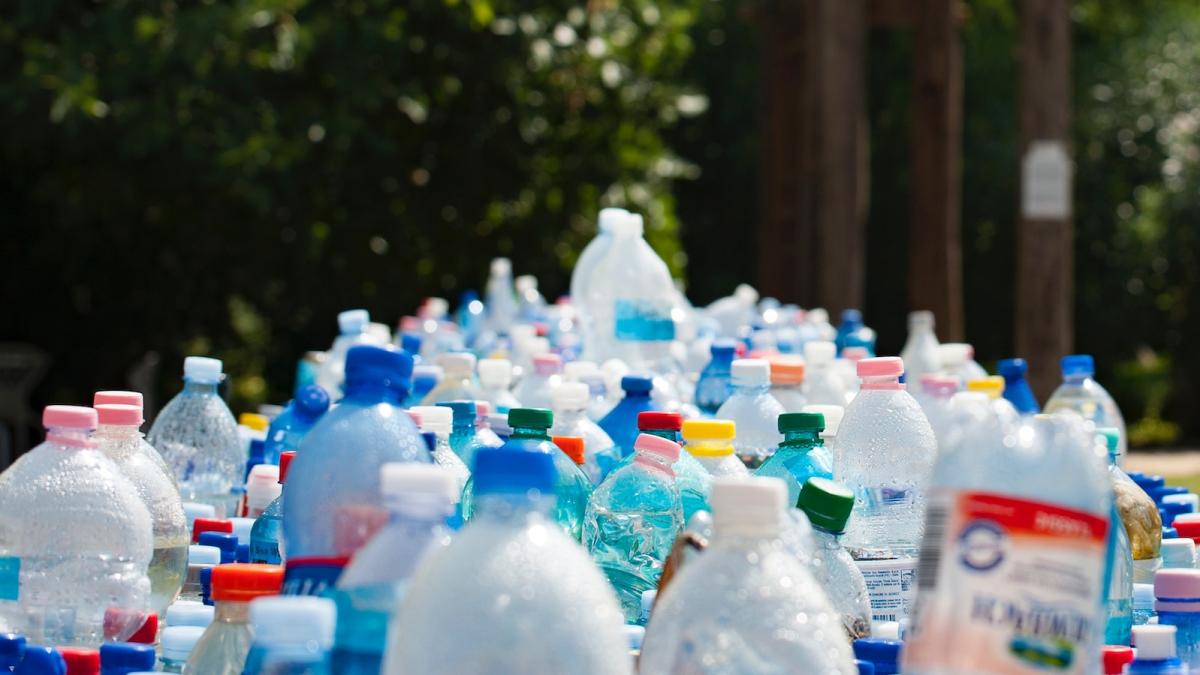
x=864, y=667
x=1078, y=364
x=1158, y=493
x=851, y=317
x=1169, y=510
x=206, y=585
x=227, y=543
x=258, y=450
x=122, y=657
x=723, y=347
x=1170, y=533
x=410, y=342
x=515, y=466
x=637, y=384
x=464, y=411
x=430, y=439
x=884, y=654
x=41, y=660
x=12, y=649
x=382, y=366
x=243, y=553
x=1012, y=369
x=311, y=402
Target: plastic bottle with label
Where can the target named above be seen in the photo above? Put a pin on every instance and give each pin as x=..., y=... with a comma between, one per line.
x=1016, y=387
x=353, y=327
x=570, y=419
x=495, y=379
x=621, y=422
x=290, y=426
x=1081, y=393
x=292, y=636
x=801, y=455
x=753, y=410
x=1157, y=652
x=715, y=384
x=823, y=385
x=920, y=352
x=223, y=647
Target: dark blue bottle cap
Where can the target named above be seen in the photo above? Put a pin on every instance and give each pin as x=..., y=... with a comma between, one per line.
x=311, y=402
x=1170, y=533
x=851, y=317
x=516, y=466
x=125, y=657
x=1012, y=369
x=430, y=439
x=12, y=649
x=41, y=660
x=206, y=585
x=258, y=450
x=1078, y=364
x=464, y=411
x=864, y=667
x=227, y=543
x=411, y=343
x=379, y=366
x=884, y=654
x=637, y=384
x=243, y=553
x=723, y=347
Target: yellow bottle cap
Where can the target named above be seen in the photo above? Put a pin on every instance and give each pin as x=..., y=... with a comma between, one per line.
x=993, y=386
x=709, y=438
x=254, y=421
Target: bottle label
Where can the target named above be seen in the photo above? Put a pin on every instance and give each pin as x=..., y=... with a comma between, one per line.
x=1014, y=585
x=891, y=584
x=644, y=320
x=265, y=552
x=312, y=576
x=10, y=577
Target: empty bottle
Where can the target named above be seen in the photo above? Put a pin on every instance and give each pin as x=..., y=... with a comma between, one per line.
x=532, y=578
x=581, y=275
x=223, y=647
x=920, y=353
x=262, y=488
x=711, y=442
x=483, y=426
x=290, y=426
x=823, y=385
x=746, y=604
x=801, y=455
x=335, y=505
x=353, y=326
x=934, y=396
x=992, y=386
x=266, y=536
x=534, y=389
x=75, y=539
x=292, y=636
x=754, y=411
x=463, y=439
x=134, y=398
x=884, y=454
x=458, y=379
x=197, y=437
x=787, y=382
x=715, y=384
x=424, y=378
x=438, y=420
x=1016, y=387
x=958, y=361
x=499, y=298
x=1081, y=393
x=570, y=419
x=123, y=658
x=1157, y=652
x=632, y=521
x=495, y=380
x=621, y=422
x=828, y=506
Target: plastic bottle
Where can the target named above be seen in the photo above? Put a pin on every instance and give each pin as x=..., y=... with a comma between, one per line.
x=1141, y=527
x=746, y=601
x=754, y=411
x=262, y=488
x=353, y=325
x=425, y=378
x=290, y=427
x=438, y=420
x=495, y=379
x=1143, y=604
x=119, y=439
x=1016, y=387
x=934, y=396
x=1156, y=652
x=621, y=422
x=823, y=385
x=500, y=301
x=531, y=306
x=715, y=384
x=123, y=658
x=711, y=442
x=335, y=506
x=534, y=389
x=177, y=644
x=801, y=455
x=197, y=437
x=958, y=361
x=852, y=332
x=134, y=398
x=995, y=482
x=570, y=401
x=920, y=353
x=223, y=647
x=591, y=254
x=884, y=454
x=827, y=506
x=200, y=557
x=462, y=437
x=531, y=577
x=992, y=386
x=787, y=382
x=632, y=520
x=266, y=536
x=75, y=539
x=292, y=636
x=1083, y=394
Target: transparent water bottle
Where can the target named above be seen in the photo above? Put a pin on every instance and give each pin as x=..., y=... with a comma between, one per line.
x=823, y=385
x=353, y=326
x=827, y=506
x=223, y=647
x=495, y=380
x=754, y=411
x=463, y=439
x=484, y=433
x=134, y=398
x=1081, y=393
x=581, y=275
x=711, y=443
x=570, y=419
x=458, y=379
x=333, y=505
x=787, y=382
x=119, y=439
x=958, y=361
x=500, y=299
x=746, y=604
x=534, y=389
x=533, y=580
x=438, y=420
x=632, y=521
x=290, y=426
x=884, y=455
x=266, y=535
x=420, y=498
x=920, y=353
x=197, y=437
x=801, y=455
x=992, y=386
x=292, y=636
x=176, y=645
x=76, y=540
x=934, y=397
x=715, y=384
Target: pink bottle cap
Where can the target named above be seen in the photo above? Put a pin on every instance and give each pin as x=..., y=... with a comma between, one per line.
x=856, y=354
x=658, y=446
x=1177, y=590
x=119, y=397
x=118, y=415
x=547, y=364
x=882, y=372
x=941, y=386
x=69, y=417
x=415, y=416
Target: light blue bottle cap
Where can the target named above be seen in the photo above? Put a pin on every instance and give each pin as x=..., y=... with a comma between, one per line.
x=189, y=613
x=242, y=526
x=353, y=321
x=293, y=619
x=194, y=510
x=202, y=369
x=177, y=642
x=1179, y=552
x=204, y=555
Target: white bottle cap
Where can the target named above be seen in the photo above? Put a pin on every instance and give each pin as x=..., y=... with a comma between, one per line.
x=495, y=372
x=202, y=369
x=427, y=488
x=819, y=352
x=576, y=371
x=436, y=308
x=426, y=370
x=194, y=510
x=353, y=321
x=818, y=315
x=457, y=364
x=1179, y=552
x=746, y=293
x=293, y=619
x=608, y=217
x=635, y=635
x=262, y=488
x=649, y=597
x=203, y=555
x=1154, y=643
x=177, y=641
x=750, y=372
x=748, y=505
x=629, y=226
x=525, y=282
x=569, y=396
x=537, y=346
x=189, y=613
x=886, y=630
x=242, y=526
x=953, y=354
x=833, y=417
x=435, y=419
x=501, y=267
x=1143, y=596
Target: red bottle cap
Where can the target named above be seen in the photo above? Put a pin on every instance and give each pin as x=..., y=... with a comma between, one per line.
x=658, y=421
x=148, y=632
x=285, y=461
x=210, y=525
x=1188, y=525
x=81, y=661
x=1115, y=658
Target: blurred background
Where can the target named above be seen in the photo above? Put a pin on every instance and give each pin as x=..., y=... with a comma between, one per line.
x=222, y=178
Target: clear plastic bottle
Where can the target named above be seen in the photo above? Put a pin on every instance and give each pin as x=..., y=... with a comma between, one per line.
x=787, y=382
x=715, y=384
x=632, y=521
x=197, y=437
x=458, y=379
x=958, y=361
x=200, y=558
x=223, y=647
x=425, y=377
x=495, y=380
x=119, y=439
x=801, y=455
x=176, y=645
x=746, y=604
x=934, y=397
x=827, y=506
x=570, y=419
x=463, y=438
x=823, y=385
x=189, y=613
x=334, y=505
x=535, y=388
x=533, y=580
x=1157, y=652
x=75, y=539
x=1016, y=387
x=591, y=254
x=531, y=306
x=353, y=326
x=754, y=411
x=290, y=426
x=438, y=420
x=500, y=299
x=484, y=434
x=621, y=422
x=1081, y=393
x=1143, y=604
x=992, y=386
x=884, y=455
x=920, y=353
x=292, y=636
x=711, y=442
x=134, y=398
x=266, y=536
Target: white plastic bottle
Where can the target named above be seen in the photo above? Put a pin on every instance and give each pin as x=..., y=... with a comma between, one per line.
x=753, y=410
x=353, y=329
x=500, y=299
x=458, y=379
x=592, y=253
x=920, y=351
x=823, y=385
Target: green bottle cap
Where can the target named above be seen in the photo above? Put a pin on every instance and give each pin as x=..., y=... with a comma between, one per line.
x=530, y=418
x=826, y=503
x=801, y=421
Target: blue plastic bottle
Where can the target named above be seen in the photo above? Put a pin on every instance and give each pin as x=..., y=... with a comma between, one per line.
x=291, y=425
x=852, y=332
x=1156, y=652
x=12, y=650
x=621, y=422
x=292, y=636
x=122, y=658
x=1016, y=388
x=336, y=506
x=264, y=535
x=801, y=455
x=715, y=385
x=41, y=660
x=1175, y=592
x=633, y=519
x=411, y=343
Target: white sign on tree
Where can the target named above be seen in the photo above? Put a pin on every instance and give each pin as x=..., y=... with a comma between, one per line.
x=1046, y=173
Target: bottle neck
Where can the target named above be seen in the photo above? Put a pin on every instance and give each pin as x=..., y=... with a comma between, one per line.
x=669, y=434
x=1076, y=378
x=751, y=389
x=801, y=440
x=636, y=395
x=529, y=433
x=196, y=387
x=414, y=513
x=887, y=383
x=371, y=391
x=231, y=611
x=118, y=440
x=70, y=439
x=465, y=427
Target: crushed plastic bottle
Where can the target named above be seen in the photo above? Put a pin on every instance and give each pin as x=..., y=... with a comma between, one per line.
x=753, y=410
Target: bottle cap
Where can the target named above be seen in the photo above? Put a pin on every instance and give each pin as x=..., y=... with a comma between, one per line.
x=1012, y=369
x=939, y=386
x=578, y=370
x=285, y=463
x=501, y=267
x=226, y=543
x=353, y=321
x=801, y=421
x=826, y=503
x=701, y=430
x=178, y=641
x=1177, y=590
x=381, y=366
x=254, y=421
x=657, y=446
x=193, y=511
x=1115, y=658
x=629, y=226
x=262, y=486
x=457, y=364
x=831, y=413
x=921, y=317
x=293, y=619
x=953, y=355
x=126, y=656
x=609, y=216
x=786, y=370
x=513, y=468
x=723, y=348
x=243, y=526
x=570, y=396
x=748, y=505
x=242, y=582
x=572, y=446
x=437, y=419
x=132, y=398
x=881, y=367
x=546, y=365
x=117, y=415
x=431, y=441
x=992, y=385
x=12, y=649
x=311, y=402
x=819, y=352
x=408, y=481
x=462, y=413
x=410, y=342
x=1078, y=364
x=69, y=417
x=1179, y=552
x=41, y=660
x=851, y=317
x=80, y=660
x=203, y=525
x=878, y=651
x=750, y=372
x=495, y=372
x=659, y=421
x=202, y=369
x=530, y=418
x=188, y=613
x=1154, y=643
x=633, y=384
